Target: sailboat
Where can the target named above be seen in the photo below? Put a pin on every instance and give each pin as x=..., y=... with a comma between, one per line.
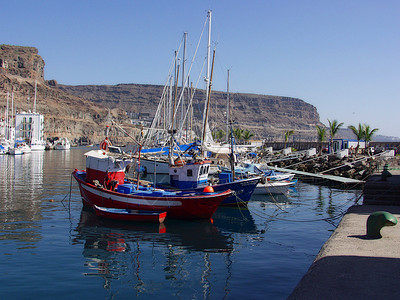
x=29, y=127
x=190, y=172
x=7, y=141
x=63, y=144
x=37, y=142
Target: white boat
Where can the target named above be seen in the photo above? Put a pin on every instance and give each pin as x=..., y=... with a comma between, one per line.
x=274, y=187
x=25, y=148
x=2, y=150
x=16, y=151
x=62, y=144
x=20, y=148
x=5, y=145
x=269, y=174
x=155, y=169
x=37, y=145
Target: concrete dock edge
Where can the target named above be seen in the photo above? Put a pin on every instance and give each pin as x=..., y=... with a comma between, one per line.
x=352, y=266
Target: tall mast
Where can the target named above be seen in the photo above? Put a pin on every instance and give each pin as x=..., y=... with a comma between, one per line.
x=7, y=134
x=208, y=53
x=208, y=101
x=227, y=109
x=191, y=112
x=170, y=103
x=183, y=76
x=176, y=80
x=34, y=101
x=205, y=113
x=12, y=109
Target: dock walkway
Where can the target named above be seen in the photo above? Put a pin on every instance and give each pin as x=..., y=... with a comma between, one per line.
x=352, y=266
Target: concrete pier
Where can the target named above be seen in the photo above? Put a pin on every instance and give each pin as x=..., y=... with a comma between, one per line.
x=381, y=190
x=352, y=266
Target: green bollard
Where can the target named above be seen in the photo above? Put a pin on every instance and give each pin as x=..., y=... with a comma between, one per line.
x=376, y=221
x=385, y=173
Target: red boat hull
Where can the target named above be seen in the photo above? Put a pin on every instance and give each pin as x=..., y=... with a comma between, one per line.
x=195, y=206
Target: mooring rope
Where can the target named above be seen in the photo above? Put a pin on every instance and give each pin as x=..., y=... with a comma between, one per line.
x=327, y=219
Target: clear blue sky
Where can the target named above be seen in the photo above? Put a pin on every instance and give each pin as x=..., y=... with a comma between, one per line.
x=341, y=56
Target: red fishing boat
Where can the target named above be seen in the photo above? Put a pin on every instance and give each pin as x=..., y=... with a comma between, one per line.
x=103, y=184
x=130, y=214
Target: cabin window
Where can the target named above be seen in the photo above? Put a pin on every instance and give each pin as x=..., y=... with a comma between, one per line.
x=189, y=173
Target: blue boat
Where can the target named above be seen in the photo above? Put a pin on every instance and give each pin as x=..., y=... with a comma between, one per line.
x=243, y=190
x=192, y=175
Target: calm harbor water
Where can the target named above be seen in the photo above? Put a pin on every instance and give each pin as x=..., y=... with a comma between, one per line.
x=53, y=249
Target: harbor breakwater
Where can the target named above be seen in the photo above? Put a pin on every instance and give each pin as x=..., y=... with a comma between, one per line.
x=358, y=167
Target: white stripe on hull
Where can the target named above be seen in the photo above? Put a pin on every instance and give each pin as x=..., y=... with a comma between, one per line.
x=131, y=199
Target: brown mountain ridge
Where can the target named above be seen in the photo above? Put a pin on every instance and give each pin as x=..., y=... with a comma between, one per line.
x=81, y=111
x=264, y=115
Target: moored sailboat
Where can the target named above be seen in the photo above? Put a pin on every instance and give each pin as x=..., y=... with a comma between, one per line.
x=63, y=144
x=192, y=173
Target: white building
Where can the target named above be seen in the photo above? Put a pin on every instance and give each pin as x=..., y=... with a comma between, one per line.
x=342, y=144
x=29, y=127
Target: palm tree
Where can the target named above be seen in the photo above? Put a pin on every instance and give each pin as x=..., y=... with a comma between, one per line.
x=321, y=132
x=247, y=135
x=218, y=135
x=359, y=133
x=238, y=133
x=334, y=127
x=287, y=135
x=368, y=133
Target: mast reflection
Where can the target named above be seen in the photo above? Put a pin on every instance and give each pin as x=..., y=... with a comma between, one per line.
x=115, y=249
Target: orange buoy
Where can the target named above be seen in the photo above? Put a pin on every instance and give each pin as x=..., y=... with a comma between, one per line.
x=208, y=189
x=179, y=162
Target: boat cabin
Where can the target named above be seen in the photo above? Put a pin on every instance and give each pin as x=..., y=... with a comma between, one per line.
x=188, y=175
x=103, y=167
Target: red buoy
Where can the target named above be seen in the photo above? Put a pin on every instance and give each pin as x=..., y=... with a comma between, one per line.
x=208, y=189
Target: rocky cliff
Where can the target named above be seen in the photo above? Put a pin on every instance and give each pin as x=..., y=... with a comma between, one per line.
x=21, y=61
x=64, y=114
x=81, y=111
x=261, y=114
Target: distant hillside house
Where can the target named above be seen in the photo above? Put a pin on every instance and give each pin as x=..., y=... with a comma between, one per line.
x=142, y=118
x=342, y=144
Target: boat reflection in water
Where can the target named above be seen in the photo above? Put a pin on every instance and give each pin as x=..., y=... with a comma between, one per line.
x=152, y=252
x=235, y=219
x=278, y=198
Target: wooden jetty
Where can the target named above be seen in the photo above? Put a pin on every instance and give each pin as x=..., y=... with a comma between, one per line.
x=318, y=177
